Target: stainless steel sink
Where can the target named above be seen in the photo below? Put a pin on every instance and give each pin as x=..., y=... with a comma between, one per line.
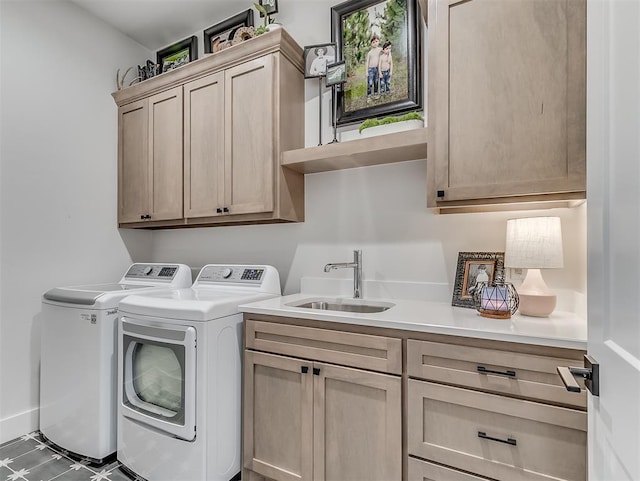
x=343, y=305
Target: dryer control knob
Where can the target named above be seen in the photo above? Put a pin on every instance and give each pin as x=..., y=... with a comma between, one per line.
x=147, y=270
x=226, y=272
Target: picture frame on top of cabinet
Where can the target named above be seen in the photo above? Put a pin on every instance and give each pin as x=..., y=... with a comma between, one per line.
x=355, y=26
x=472, y=268
x=223, y=32
x=178, y=54
x=271, y=6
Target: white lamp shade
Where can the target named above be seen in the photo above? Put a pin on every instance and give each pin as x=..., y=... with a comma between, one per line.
x=534, y=243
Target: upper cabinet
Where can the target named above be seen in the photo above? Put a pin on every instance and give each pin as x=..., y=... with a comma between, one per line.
x=507, y=102
x=150, y=158
x=201, y=145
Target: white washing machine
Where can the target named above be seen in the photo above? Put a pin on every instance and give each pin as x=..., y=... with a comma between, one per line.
x=179, y=375
x=78, y=357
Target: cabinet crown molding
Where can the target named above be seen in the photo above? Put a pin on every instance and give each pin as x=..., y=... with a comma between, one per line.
x=278, y=40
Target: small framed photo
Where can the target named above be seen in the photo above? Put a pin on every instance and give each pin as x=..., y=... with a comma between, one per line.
x=316, y=59
x=336, y=73
x=178, y=54
x=224, y=31
x=271, y=6
x=473, y=268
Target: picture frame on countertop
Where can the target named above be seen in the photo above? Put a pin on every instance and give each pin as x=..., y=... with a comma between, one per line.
x=472, y=268
x=178, y=54
x=360, y=29
x=224, y=31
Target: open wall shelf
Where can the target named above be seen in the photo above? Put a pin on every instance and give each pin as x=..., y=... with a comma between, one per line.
x=382, y=149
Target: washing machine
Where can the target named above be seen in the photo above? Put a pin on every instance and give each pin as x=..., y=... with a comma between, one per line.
x=79, y=357
x=179, y=375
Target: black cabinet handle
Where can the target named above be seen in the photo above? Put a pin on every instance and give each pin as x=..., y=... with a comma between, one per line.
x=509, y=441
x=142, y=217
x=304, y=369
x=225, y=209
x=440, y=193
x=219, y=210
x=316, y=371
x=484, y=370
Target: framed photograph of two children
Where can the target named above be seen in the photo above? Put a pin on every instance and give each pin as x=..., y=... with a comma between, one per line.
x=381, y=43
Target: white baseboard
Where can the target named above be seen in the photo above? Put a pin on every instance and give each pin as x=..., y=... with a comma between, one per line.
x=19, y=425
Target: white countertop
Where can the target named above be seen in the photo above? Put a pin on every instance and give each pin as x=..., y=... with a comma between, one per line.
x=561, y=329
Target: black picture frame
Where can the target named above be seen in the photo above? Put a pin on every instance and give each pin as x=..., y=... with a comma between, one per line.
x=336, y=73
x=271, y=6
x=178, y=54
x=225, y=30
x=469, y=264
x=315, y=65
x=353, y=44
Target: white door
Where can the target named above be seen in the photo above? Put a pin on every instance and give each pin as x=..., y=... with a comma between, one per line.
x=613, y=190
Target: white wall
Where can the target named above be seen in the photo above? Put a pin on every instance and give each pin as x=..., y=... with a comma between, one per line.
x=379, y=209
x=58, y=178
x=58, y=192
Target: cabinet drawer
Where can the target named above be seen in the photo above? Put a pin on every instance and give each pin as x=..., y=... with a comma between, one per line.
x=420, y=470
x=495, y=436
x=375, y=353
x=523, y=375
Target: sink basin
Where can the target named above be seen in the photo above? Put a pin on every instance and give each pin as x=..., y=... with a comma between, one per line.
x=343, y=305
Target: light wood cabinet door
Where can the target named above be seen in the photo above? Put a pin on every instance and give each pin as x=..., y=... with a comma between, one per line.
x=250, y=149
x=165, y=155
x=357, y=425
x=150, y=158
x=507, y=109
x=278, y=416
x=133, y=161
x=495, y=436
x=315, y=421
x=204, y=140
x=419, y=470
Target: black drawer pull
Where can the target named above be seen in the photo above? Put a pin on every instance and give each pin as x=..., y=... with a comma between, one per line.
x=304, y=369
x=316, y=371
x=509, y=441
x=484, y=370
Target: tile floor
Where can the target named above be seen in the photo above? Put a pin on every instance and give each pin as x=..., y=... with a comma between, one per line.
x=30, y=458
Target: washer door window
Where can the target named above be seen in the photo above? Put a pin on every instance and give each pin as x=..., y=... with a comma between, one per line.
x=159, y=377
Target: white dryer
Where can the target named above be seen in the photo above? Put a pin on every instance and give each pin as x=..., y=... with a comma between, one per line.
x=179, y=375
x=78, y=357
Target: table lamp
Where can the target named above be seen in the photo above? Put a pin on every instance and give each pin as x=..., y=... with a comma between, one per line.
x=534, y=243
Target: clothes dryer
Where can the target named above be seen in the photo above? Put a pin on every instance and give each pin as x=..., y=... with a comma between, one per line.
x=78, y=357
x=179, y=375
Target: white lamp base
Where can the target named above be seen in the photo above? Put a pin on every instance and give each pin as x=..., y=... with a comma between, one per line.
x=536, y=299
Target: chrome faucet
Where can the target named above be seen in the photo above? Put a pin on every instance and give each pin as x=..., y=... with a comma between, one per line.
x=356, y=265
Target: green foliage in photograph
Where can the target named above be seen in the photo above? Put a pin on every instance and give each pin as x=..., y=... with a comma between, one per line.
x=357, y=36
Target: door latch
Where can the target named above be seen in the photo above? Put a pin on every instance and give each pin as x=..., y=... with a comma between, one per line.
x=590, y=373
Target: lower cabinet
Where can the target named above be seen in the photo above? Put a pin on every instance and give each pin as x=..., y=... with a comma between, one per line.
x=502, y=414
x=310, y=420
x=325, y=404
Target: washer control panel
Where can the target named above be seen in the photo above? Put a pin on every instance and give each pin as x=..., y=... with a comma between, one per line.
x=151, y=271
x=234, y=274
